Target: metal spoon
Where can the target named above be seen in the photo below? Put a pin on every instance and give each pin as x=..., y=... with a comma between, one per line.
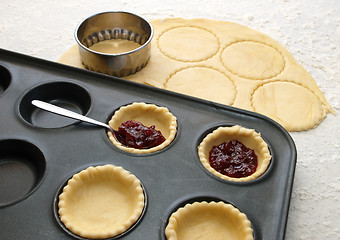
x=67, y=113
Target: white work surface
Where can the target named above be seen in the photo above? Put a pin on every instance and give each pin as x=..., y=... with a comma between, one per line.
x=310, y=30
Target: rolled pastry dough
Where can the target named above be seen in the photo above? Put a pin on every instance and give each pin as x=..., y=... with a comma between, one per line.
x=230, y=64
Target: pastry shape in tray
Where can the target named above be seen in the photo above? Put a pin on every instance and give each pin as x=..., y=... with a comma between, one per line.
x=41, y=152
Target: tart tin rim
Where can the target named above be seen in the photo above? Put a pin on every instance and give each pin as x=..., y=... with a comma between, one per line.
x=3, y=84
x=42, y=176
x=46, y=83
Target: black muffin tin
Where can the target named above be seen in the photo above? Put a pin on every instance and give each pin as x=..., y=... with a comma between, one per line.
x=39, y=151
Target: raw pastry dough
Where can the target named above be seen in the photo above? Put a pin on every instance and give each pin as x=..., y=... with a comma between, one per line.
x=213, y=220
x=148, y=115
x=252, y=60
x=187, y=43
x=248, y=137
x=182, y=80
x=274, y=99
x=115, y=46
x=101, y=202
x=230, y=64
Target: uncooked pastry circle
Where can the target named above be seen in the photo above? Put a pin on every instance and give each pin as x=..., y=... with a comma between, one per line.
x=203, y=82
x=292, y=105
x=199, y=44
x=252, y=60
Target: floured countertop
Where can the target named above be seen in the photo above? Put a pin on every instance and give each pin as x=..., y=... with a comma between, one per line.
x=310, y=32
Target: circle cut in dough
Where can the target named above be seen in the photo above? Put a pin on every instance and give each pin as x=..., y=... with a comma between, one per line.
x=203, y=82
x=101, y=202
x=148, y=115
x=248, y=137
x=291, y=105
x=252, y=60
x=208, y=220
x=188, y=44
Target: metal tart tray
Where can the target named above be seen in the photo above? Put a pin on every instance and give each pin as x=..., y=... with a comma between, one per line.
x=41, y=151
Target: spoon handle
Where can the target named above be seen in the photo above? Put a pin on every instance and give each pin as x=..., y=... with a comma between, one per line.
x=66, y=113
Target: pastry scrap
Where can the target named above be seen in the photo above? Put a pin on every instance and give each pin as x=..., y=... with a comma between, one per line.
x=149, y=115
x=101, y=202
x=208, y=220
x=230, y=64
x=238, y=170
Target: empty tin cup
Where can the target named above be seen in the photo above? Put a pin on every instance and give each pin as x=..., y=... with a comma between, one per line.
x=114, y=25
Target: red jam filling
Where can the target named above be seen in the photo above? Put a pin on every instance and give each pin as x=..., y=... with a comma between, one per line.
x=134, y=134
x=233, y=159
